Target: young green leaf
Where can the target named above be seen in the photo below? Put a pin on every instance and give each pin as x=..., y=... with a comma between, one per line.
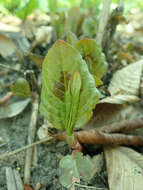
x=71, y=38
x=75, y=167
x=68, y=89
x=29, y=6
x=21, y=88
x=93, y=56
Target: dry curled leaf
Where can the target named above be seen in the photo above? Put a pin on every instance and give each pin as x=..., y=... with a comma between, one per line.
x=106, y=113
x=127, y=80
x=27, y=187
x=124, y=168
x=120, y=99
x=125, y=84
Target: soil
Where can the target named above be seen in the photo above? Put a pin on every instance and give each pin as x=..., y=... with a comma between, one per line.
x=14, y=132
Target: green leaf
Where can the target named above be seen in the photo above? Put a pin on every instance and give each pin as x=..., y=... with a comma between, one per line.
x=27, y=9
x=13, y=109
x=66, y=84
x=89, y=27
x=93, y=56
x=75, y=167
x=68, y=170
x=21, y=88
x=71, y=38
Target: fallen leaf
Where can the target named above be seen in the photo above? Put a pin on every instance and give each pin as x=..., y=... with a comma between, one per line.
x=13, y=109
x=43, y=36
x=127, y=80
x=124, y=168
x=13, y=42
x=120, y=99
x=7, y=47
x=27, y=187
x=106, y=113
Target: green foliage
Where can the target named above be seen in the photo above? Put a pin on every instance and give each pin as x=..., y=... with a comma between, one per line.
x=74, y=21
x=27, y=9
x=89, y=26
x=75, y=167
x=58, y=23
x=57, y=6
x=66, y=84
x=21, y=88
x=71, y=38
x=93, y=56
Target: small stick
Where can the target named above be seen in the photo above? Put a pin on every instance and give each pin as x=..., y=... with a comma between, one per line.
x=103, y=21
x=8, y=154
x=90, y=187
x=123, y=126
x=18, y=180
x=96, y=137
x=31, y=135
x=11, y=185
x=113, y=21
x=11, y=68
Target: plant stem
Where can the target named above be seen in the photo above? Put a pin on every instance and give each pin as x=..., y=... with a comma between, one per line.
x=103, y=21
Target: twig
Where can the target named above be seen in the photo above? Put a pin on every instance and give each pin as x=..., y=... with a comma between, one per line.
x=30, y=77
x=8, y=154
x=96, y=137
x=11, y=185
x=113, y=21
x=103, y=21
x=102, y=136
x=11, y=68
x=123, y=126
x=31, y=136
x=90, y=187
x=18, y=180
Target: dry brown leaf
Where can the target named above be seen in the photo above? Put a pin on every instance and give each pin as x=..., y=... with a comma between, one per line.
x=13, y=42
x=127, y=80
x=27, y=187
x=125, y=85
x=120, y=99
x=124, y=168
x=43, y=36
x=106, y=113
x=7, y=47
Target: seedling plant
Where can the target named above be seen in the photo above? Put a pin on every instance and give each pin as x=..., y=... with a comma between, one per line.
x=71, y=73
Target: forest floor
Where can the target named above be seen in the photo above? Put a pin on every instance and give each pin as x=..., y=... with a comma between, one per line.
x=14, y=130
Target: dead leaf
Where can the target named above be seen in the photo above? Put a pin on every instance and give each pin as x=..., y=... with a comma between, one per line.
x=13, y=42
x=124, y=167
x=127, y=80
x=27, y=187
x=106, y=113
x=7, y=47
x=13, y=109
x=43, y=36
x=120, y=99
x=124, y=86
